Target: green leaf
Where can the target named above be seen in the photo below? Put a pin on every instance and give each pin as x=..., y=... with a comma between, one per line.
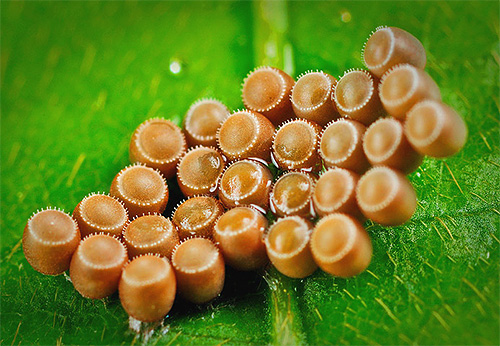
x=78, y=77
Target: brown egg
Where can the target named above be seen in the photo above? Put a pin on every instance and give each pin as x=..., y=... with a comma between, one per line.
x=100, y=213
x=246, y=134
x=341, y=246
x=196, y=216
x=50, y=238
x=142, y=189
x=239, y=233
x=152, y=233
x=245, y=182
x=341, y=146
x=266, y=90
x=295, y=146
x=147, y=288
x=199, y=171
x=311, y=97
x=435, y=129
x=385, y=196
x=385, y=144
x=202, y=121
x=97, y=265
x=292, y=194
x=287, y=244
x=356, y=96
x=390, y=46
x=158, y=143
x=335, y=192
x=403, y=86
x=199, y=269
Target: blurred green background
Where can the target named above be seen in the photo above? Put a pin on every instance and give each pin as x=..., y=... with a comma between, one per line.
x=78, y=77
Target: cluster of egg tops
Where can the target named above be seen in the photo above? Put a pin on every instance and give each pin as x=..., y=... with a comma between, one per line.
x=342, y=148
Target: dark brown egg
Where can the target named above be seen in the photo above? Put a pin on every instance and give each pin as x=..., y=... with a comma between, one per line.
x=246, y=134
x=147, y=288
x=341, y=246
x=150, y=234
x=239, y=233
x=199, y=269
x=49, y=240
x=199, y=171
x=435, y=129
x=335, y=192
x=202, y=121
x=295, y=146
x=96, y=266
x=385, y=196
x=356, y=96
x=100, y=213
x=158, y=143
x=292, y=194
x=385, y=144
x=311, y=97
x=341, y=145
x=266, y=90
x=142, y=189
x=287, y=244
x=403, y=86
x=196, y=216
x=390, y=46
x=245, y=182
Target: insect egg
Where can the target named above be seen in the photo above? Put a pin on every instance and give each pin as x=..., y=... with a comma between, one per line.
x=142, y=189
x=292, y=194
x=100, y=213
x=266, y=90
x=386, y=196
x=199, y=269
x=335, y=192
x=295, y=145
x=341, y=246
x=158, y=143
x=246, y=134
x=50, y=238
x=150, y=234
x=202, y=121
x=385, y=144
x=196, y=216
x=390, y=46
x=435, y=129
x=245, y=182
x=341, y=145
x=287, y=244
x=403, y=86
x=97, y=265
x=356, y=96
x=239, y=233
x=199, y=171
x=311, y=97
x=147, y=288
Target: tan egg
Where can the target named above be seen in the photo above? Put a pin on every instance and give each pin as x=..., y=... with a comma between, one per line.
x=97, y=265
x=199, y=269
x=158, y=143
x=287, y=244
x=390, y=46
x=141, y=189
x=202, y=121
x=266, y=90
x=50, y=238
x=312, y=97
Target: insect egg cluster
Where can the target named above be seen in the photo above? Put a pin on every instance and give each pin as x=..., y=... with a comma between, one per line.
x=341, y=149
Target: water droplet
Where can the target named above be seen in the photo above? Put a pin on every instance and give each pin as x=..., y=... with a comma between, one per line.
x=345, y=16
x=175, y=66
